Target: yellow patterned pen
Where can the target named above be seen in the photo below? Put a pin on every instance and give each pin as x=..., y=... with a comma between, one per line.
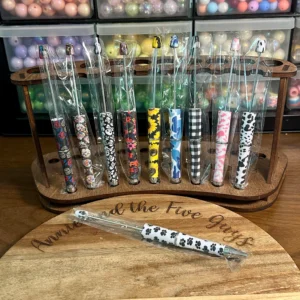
x=154, y=120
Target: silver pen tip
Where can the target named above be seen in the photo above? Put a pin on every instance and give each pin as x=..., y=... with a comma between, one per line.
x=234, y=254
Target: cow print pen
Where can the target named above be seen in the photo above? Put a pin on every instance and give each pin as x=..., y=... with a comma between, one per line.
x=247, y=129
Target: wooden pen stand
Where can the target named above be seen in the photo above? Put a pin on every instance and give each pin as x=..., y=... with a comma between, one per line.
x=261, y=192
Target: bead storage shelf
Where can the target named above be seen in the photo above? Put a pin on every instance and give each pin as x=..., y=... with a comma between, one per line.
x=261, y=192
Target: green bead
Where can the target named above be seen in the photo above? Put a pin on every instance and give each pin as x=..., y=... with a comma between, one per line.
x=85, y=96
x=131, y=9
x=38, y=106
x=40, y=97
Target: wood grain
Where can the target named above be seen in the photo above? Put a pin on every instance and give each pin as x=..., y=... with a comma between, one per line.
x=76, y=262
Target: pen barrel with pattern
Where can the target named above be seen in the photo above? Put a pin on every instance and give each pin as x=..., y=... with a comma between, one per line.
x=129, y=122
x=64, y=152
x=178, y=239
x=108, y=138
x=176, y=124
x=84, y=143
x=222, y=136
x=246, y=139
x=154, y=129
x=194, y=133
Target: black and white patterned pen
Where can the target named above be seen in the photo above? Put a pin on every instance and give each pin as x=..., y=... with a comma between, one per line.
x=153, y=233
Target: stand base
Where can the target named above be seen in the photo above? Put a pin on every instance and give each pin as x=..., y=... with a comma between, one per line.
x=257, y=195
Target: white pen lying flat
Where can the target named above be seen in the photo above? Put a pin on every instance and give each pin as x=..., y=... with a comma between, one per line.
x=158, y=234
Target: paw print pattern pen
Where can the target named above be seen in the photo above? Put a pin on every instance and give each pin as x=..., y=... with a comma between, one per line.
x=247, y=129
x=154, y=119
x=80, y=126
x=58, y=122
x=175, y=121
x=161, y=235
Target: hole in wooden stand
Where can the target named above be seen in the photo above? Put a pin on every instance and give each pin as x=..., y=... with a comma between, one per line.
x=262, y=155
x=144, y=150
x=53, y=160
x=212, y=151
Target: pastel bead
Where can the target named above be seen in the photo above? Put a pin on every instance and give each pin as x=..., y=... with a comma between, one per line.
x=44, y=2
x=157, y=7
x=205, y=38
x=201, y=9
x=131, y=9
x=29, y=62
x=53, y=41
x=8, y=5
x=212, y=7
x=84, y=9
x=273, y=5
x=264, y=6
x=77, y=49
x=34, y=10
x=293, y=92
x=87, y=40
x=58, y=4
x=279, y=54
x=223, y=7
x=33, y=51
x=48, y=10
x=27, y=2
x=170, y=7
x=16, y=63
x=253, y=6
x=298, y=87
x=220, y=38
x=279, y=35
x=14, y=41
x=71, y=9
x=20, y=51
x=242, y=7
x=283, y=5
x=21, y=10
x=68, y=40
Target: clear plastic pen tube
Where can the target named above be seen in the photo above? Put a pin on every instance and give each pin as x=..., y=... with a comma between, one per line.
x=159, y=235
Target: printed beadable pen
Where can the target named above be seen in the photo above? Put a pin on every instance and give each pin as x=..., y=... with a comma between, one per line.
x=157, y=234
x=247, y=128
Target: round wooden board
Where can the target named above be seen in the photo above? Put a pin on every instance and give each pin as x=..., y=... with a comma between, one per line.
x=61, y=260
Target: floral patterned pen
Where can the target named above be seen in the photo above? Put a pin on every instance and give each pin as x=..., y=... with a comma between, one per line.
x=161, y=235
x=129, y=121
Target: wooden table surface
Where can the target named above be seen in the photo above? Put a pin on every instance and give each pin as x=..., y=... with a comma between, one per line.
x=20, y=210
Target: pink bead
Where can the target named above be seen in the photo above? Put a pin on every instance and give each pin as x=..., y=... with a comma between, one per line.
x=293, y=92
x=298, y=87
x=253, y=6
x=283, y=5
x=53, y=41
x=114, y=2
x=21, y=10
x=27, y=2
x=34, y=10
x=84, y=9
x=45, y=1
x=8, y=5
x=170, y=7
x=58, y=4
x=48, y=10
x=71, y=9
x=157, y=7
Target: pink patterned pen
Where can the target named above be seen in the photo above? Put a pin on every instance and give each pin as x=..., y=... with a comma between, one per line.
x=223, y=126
